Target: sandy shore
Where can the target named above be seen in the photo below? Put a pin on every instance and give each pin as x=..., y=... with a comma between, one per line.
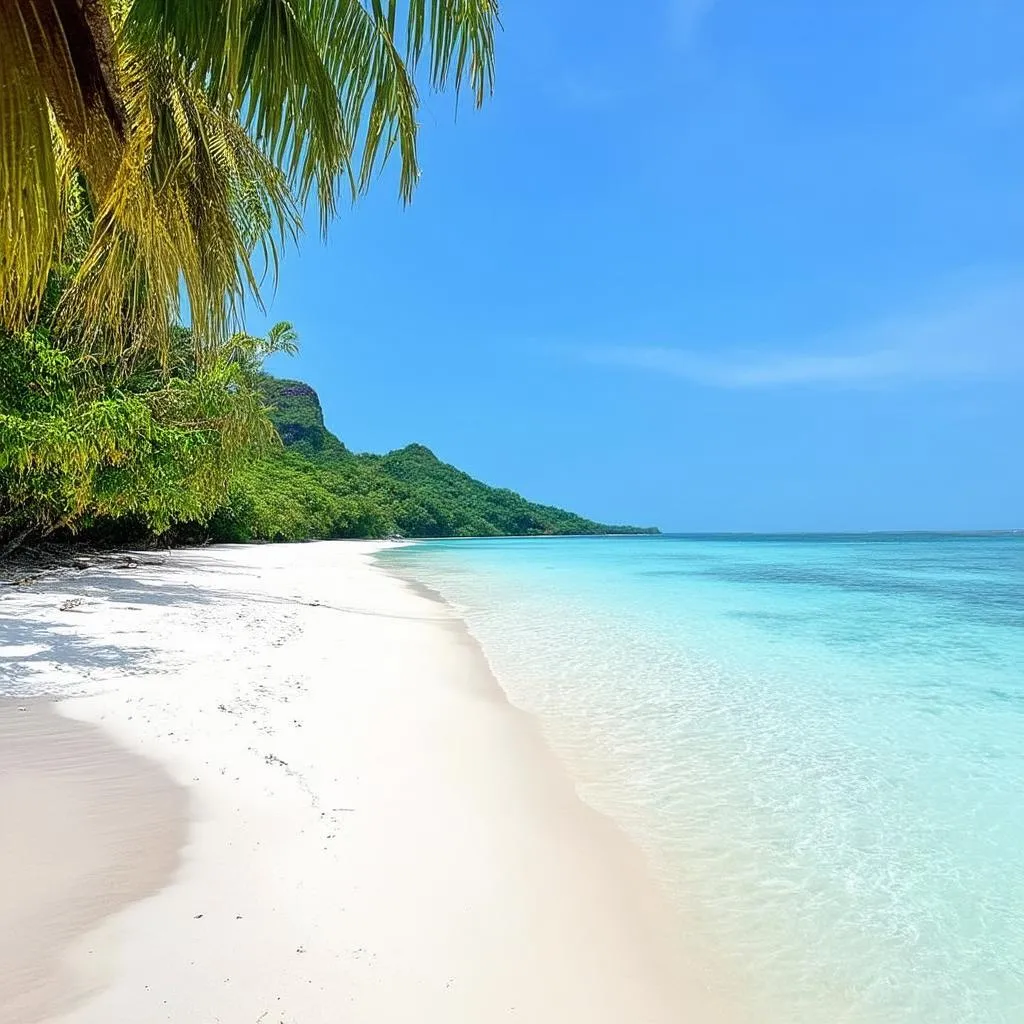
x=86, y=829
x=306, y=800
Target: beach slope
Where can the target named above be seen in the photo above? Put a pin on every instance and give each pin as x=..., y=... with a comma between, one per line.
x=356, y=824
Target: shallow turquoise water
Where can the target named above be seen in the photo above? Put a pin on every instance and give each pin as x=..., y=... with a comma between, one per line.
x=820, y=742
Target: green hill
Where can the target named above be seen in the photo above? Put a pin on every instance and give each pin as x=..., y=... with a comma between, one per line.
x=296, y=412
x=314, y=487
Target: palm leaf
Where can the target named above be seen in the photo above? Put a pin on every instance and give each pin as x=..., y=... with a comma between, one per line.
x=196, y=210
x=166, y=152
x=327, y=86
x=58, y=62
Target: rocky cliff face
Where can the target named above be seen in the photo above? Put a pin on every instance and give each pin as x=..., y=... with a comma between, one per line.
x=298, y=416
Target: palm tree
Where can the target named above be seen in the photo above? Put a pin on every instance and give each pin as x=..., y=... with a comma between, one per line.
x=165, y=149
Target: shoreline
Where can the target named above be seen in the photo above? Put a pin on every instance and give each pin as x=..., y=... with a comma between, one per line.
x=375, y=830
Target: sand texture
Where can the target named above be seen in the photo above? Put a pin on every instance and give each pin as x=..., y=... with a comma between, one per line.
x=360, y=827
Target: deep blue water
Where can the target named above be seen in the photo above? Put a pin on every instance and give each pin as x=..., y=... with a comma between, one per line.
x=819, y=741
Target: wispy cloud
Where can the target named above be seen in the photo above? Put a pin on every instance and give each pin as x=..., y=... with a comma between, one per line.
x=981, y=336
x=685, y=17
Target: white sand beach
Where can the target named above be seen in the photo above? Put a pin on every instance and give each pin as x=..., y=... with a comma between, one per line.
x=287, y=789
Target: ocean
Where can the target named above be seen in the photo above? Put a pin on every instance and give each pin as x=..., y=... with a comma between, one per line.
x=818, y=741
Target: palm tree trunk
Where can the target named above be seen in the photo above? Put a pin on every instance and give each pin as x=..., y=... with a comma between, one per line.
x=73, y=43
x=14, y=543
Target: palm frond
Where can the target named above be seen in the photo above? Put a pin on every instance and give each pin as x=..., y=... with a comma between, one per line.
x=196, y=211
x=327, y=86
x=58, y=60
x=166, y=148
x=460, y=34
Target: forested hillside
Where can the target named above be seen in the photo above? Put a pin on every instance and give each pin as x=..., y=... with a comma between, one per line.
x=314, y=487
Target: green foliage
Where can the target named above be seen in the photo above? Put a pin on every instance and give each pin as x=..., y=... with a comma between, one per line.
x=286, y=496
x=295, y=412
x=315, y=488
x=197, y=131
x=84, y=441
x=87, y=447
x=155, y=158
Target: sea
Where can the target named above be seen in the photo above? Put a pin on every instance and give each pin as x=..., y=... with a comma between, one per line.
x=817, y=740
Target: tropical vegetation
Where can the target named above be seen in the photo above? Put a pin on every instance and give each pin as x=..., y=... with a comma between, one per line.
x=155, y=159
x=145, y=442
x=173, y=145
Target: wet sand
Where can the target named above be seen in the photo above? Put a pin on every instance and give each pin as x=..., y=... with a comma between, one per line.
x=86, y=829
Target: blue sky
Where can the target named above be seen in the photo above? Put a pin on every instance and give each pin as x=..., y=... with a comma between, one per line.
x=708, y=264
